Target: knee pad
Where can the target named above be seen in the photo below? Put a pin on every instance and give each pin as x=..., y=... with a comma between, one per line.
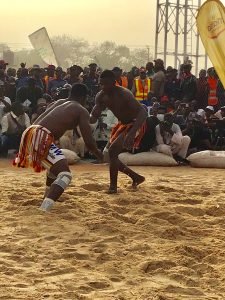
x=63, y=179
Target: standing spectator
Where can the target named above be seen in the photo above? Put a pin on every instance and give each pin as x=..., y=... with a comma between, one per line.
x=57, y=82
x=74, y=75
x=202, y=90
x=49, y=76
x=172, y=86
x=141, y=87
x=91, y=81
x=120, y=79
x=36, y=73
x=13, y=125
x=131, y=76
x=150, y=69
x=158, y=80
x=213, y=84
x=10, y=88
x=188, y=84
x=11, y=72
x=22, y=78
x=3, y=65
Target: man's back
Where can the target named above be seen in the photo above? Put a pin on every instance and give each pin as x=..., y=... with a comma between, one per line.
x=62, y=117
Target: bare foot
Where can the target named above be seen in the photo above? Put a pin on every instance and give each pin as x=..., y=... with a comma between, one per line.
x=112, y=190
x=137, y=181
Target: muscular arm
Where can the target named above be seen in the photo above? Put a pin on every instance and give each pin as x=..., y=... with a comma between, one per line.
x=49, y=108
x=97, y=109
x=86, y=132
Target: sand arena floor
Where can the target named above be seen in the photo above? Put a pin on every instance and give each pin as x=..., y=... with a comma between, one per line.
x=164, y=242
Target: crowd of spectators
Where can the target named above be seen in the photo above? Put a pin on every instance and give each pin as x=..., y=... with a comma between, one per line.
x=186, y=113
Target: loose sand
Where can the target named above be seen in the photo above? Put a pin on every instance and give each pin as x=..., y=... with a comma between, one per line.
x=164, y=242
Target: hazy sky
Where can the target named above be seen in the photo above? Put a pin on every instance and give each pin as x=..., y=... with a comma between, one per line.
x=122, y=21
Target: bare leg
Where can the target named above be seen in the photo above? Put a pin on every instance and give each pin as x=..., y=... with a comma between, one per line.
x=116, y=165
x=55, y=190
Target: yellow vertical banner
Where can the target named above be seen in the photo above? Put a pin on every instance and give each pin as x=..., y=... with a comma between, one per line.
x=211, y=27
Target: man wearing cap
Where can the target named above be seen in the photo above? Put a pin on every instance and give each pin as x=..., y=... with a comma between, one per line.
x=141, y=87
x=120, y=80
x=56, y=82
x=158, y=79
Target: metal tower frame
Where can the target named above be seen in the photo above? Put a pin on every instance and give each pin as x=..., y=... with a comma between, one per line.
x=176, y=32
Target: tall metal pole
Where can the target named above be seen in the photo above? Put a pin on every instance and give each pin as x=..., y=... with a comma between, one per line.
x=177, y=33
x=157, y=29
x=166, y=31
x=185, y=28
x=197, y=48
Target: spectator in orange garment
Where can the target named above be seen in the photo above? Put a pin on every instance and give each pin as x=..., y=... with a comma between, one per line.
x=120, y=80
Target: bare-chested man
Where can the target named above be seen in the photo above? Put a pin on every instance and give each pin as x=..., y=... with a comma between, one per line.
x=128, y=132
x=37, y=147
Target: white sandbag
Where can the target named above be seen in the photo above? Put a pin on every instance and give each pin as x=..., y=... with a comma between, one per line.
x=208, y=159
x=151, y=158
x=71, y=156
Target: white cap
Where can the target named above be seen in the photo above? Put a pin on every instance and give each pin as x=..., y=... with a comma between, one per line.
x=210, y=108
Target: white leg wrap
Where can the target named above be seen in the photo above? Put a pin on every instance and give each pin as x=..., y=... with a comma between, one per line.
x=63, y=179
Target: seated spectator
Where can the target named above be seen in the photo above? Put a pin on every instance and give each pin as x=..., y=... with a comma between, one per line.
x=199, y=134
x=170, y=140
x=13, y=124
x=41, y=108
x=103, y=128
x=180, y=113
x=57, y=82
x=5, y=102
x=48, y=99
x=29, y=95
x=220, y=114
x=149, y=138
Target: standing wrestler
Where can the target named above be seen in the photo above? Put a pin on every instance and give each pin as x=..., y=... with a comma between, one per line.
x=37, y=148
x=128, y=132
